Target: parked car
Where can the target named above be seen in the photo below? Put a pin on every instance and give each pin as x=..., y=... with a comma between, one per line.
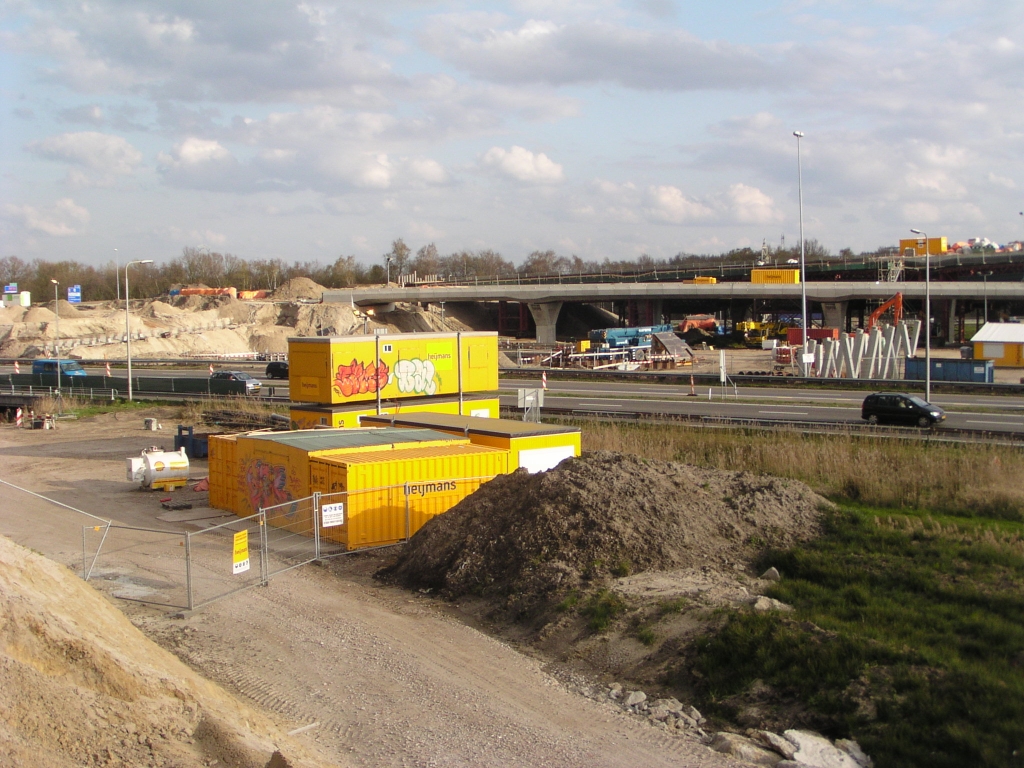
x=252, y=385
x=898, y=408
x=277, y=370
x=67, y=367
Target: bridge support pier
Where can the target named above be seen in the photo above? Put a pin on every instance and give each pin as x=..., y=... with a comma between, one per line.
x=834, y=314
x=545, y=316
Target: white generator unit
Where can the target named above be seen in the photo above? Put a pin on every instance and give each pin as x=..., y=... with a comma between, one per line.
x=158, y=469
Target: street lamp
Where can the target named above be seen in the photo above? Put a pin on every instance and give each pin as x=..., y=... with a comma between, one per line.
x=117, y=275
x=56, y=344
x=387, y=262
x=803, y=261
x=127, y=327
x=985, y=276
x=927, y=316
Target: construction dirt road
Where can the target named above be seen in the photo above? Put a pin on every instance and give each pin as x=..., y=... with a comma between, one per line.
x=374, y=675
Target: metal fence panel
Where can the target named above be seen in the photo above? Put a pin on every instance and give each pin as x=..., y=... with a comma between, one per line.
x=146, y=565
x=218, y=565
x=292, y=534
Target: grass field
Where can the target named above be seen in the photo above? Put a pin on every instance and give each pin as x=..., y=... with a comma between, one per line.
x=908, y=630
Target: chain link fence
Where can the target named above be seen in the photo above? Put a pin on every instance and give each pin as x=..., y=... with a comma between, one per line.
x=193, y=569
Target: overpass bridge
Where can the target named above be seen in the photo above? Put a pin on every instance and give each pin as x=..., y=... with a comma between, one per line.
x=835, y=298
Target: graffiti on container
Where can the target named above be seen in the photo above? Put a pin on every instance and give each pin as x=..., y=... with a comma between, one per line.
x=266, y=484
x=359, y=378
x=416, y=376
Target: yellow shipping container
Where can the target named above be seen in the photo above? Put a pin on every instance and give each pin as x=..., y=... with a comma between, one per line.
x=223, y=472
x=775, y=276
x=310, y=415
x=372, y=488
x=535, y=447
x=936, y=246
x=354, y=369
x=582, y=346
x=271, y=468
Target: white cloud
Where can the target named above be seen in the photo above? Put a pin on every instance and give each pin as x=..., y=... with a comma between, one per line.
x=64, y=218
x=195, y=151
x=590, y=52
x=103, y=156
x=669, y=204
x=524, y=165
x=749, y=205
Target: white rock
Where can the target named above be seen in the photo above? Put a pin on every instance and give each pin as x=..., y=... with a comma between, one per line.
x=672, y=705
x=784, y=747
x=615, y=690
x=658, y=713
x=817, y=751
x=772, y=574
x=763, y=604
x=743, y=749
x=697, y=716
x=634, y=698
x=852, y=748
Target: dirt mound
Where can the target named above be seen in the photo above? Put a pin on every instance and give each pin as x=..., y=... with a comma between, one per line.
x=160, y=309
x=80, y=685
x=524, y=541
x=12, y=314
x=298, y=288
x=39, y=315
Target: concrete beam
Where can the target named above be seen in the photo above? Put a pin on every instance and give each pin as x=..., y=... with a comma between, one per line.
x=834, y=314
x=545, y=316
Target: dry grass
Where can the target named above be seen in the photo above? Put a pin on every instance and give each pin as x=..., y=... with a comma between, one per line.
x=971, y=479
x=194, y=412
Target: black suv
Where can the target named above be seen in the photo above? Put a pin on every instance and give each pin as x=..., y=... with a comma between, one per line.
x=277, y=370
x=893, y=408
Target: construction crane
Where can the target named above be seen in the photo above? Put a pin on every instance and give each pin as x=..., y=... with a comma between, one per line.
x=895, y=303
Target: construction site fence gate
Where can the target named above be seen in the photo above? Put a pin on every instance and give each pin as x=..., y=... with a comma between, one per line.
x=247, y=552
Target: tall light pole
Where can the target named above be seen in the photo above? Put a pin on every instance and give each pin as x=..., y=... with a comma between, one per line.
x=117, y=275
x=56, y=344
x=927, y=316
x=127, y=328
x=387, y=262
x=985, y=276
x=803, y=261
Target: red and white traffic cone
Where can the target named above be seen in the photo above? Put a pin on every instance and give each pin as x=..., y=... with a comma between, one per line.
x=211, y=369
x=17, y=417
x=108, y=368
x=17, y=368
x=693, y=392
x=543, y=379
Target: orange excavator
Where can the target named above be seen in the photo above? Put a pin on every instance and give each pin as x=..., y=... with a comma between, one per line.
x=895, y=303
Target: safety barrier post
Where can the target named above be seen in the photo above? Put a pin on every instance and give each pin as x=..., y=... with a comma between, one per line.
x=316, y=525
x=407, y=512
x=264, y=547
x=188, y=569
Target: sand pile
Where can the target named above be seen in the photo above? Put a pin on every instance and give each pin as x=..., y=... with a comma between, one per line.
x=298, y=288
x=524, y=541
x=160, y=309
x=80, y=685
x=67, y=309
x=39, y=315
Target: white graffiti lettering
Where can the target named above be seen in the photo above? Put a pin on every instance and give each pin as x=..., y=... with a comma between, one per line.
x=416, y=376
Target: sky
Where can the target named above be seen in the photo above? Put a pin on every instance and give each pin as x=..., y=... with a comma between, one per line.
x=604, y=129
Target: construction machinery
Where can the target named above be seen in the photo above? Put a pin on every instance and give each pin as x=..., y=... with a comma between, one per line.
x=895, y=304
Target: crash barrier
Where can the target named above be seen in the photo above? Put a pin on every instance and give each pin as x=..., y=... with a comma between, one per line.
x=155, y=384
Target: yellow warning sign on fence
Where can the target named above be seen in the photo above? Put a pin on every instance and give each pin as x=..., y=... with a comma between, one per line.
x=240, y=558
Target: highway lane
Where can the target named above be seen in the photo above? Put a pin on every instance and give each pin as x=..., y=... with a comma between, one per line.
x=779, y=403
x=733, y=408
x=793, y=394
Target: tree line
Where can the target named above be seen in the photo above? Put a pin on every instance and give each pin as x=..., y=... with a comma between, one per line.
x=200, y=266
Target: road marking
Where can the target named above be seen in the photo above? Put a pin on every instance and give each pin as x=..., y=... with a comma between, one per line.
x=784, y=413
x=1000, y=423
x=598, y=404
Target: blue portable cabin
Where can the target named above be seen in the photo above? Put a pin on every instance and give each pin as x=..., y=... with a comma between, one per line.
x=974, y=371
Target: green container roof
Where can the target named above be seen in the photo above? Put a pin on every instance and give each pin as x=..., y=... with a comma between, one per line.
x=478, y=425
x=330, y=439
